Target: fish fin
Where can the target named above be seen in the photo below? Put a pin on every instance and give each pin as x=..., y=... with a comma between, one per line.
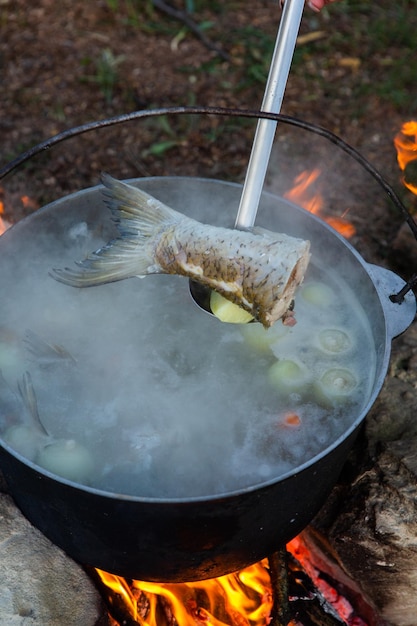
x=115, y=261
x=44, y=352
x=140, y=219
x=27, y=393
x=135, y=212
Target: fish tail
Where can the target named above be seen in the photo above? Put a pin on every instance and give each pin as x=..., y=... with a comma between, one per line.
x=140, y=220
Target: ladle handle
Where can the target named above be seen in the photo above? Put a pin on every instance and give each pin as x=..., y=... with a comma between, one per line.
x=274, y=93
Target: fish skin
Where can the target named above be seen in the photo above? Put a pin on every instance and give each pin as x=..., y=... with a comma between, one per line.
x=256, y=269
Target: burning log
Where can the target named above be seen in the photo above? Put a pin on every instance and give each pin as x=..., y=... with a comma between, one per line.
x=297, y=600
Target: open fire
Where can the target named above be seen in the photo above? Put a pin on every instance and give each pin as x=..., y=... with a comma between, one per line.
x=241, y=598
x=304, y=194
x=406, y=145
x=246, y=598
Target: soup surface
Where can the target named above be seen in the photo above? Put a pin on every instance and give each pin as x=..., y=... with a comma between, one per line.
x=139, y=392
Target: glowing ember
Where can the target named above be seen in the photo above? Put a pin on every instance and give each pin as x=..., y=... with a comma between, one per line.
x=339, y=602
x=406, y=146
x=242, y=599
x=29, y=203
x=303, y=194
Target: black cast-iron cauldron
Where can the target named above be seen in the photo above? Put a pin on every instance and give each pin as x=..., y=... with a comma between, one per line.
x=191, y=538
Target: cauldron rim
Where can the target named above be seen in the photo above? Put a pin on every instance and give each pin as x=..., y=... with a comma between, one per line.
x=378, y=381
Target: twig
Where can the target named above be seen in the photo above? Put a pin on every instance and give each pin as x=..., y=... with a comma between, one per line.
x=184, y=18
x=279, y=579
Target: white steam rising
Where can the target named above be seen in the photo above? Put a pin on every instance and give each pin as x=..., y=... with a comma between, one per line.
x=168, y=401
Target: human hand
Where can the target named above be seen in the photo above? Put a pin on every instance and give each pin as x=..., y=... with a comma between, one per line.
x=317, y=5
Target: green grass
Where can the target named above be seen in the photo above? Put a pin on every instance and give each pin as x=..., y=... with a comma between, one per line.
x=106, y=72
x=383, y=35
x=131, y=11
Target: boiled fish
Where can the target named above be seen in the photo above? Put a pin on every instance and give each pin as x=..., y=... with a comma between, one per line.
x=256, y=269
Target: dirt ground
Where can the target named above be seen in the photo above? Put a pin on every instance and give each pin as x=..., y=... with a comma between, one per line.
x=68, y=63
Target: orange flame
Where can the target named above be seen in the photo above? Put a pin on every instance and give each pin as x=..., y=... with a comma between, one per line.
x=406, y=145
x=240, y=599
x=12, y=200
x=4, y=225
x=301, y=193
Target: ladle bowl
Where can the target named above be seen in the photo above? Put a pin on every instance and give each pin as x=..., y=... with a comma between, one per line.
x=201, y=296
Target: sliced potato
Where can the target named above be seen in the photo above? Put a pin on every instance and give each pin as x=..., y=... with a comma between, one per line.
x=23, y=439
x=289, y=376
x=67, y=458
x=227, y=311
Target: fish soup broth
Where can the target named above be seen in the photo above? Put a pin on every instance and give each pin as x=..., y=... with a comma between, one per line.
x=140, y=392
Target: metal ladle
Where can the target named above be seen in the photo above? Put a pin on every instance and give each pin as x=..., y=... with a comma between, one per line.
x=265, y=131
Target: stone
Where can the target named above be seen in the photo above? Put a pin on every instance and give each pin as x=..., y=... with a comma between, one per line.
x=39, y=584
